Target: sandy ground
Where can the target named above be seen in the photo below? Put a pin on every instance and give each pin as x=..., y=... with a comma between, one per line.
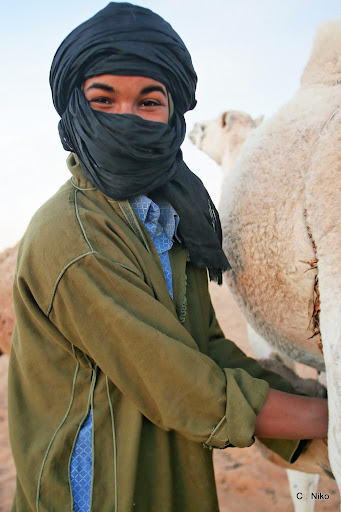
x=7, y=264
x=7, y=472
x=245, y=480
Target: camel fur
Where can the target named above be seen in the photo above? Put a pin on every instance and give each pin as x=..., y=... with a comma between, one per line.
x=281, y=219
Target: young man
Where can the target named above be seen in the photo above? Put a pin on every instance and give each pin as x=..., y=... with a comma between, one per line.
x=120, y=377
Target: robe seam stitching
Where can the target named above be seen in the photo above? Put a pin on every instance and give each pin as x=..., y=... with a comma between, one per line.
x=81, y=225
x=56, y=432
x=114, y=443
x=130, y=217
x=61, y=275
x=88, y=408
x=92, y=389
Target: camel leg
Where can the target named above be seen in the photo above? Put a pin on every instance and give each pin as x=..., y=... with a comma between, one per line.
x=323, y=215
x=299, y=482
x=329, y=282
x=263, y=350
x=331, y=332
x=330, y=325
x=301, y=486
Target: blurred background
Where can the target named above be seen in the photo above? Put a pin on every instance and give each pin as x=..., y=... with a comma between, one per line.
x=248, y=55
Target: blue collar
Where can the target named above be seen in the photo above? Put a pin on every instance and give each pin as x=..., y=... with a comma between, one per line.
x=157, y=216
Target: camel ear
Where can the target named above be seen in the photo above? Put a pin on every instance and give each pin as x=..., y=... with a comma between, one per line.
x=227, y=120
x=258, y=121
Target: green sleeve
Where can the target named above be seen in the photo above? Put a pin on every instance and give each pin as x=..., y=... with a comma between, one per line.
x=227, y=355
x=107, y=310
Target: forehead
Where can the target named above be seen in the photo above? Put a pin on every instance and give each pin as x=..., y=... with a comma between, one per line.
x=123, y=82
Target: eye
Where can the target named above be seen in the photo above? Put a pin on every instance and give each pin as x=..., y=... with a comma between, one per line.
x=150, y=103
x=100, y=99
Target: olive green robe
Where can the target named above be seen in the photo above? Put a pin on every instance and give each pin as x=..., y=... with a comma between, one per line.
x=96, y=327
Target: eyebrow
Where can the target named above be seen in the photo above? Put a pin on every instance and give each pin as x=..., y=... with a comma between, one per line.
x=104, y=87
x=152, y=88
x=145, y=90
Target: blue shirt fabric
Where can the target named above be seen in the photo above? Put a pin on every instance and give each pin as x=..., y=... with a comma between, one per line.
x=161, y=222
x=81, y=467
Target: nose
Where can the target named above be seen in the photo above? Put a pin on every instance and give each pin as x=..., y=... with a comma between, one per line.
x=124, y=108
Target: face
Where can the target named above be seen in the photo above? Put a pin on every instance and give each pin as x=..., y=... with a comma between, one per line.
x=137, y=95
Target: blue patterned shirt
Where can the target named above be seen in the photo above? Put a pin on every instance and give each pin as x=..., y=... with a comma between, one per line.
x=161, y=222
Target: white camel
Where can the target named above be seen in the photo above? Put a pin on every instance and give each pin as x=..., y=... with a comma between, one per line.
x=281, y=219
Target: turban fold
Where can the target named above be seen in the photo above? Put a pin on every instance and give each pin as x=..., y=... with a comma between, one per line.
x=129, y=40
x=125, y=155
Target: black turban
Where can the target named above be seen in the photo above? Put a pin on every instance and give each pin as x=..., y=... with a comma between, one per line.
x=129, y=40
x=125, y=155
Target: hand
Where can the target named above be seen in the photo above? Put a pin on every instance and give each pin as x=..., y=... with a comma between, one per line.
x=314, y=458
x=308, y=387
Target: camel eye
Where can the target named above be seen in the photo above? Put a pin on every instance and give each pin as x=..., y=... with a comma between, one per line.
x=223, y=120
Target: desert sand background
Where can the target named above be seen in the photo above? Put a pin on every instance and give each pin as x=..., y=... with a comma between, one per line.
x=245, y=480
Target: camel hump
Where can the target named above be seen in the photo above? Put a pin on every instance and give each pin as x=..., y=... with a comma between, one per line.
x=324, y=65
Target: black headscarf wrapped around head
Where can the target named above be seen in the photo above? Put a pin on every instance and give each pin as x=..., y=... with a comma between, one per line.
x=124, y=155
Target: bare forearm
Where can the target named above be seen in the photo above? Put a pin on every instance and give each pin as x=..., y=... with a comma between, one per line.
x=286, y=416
